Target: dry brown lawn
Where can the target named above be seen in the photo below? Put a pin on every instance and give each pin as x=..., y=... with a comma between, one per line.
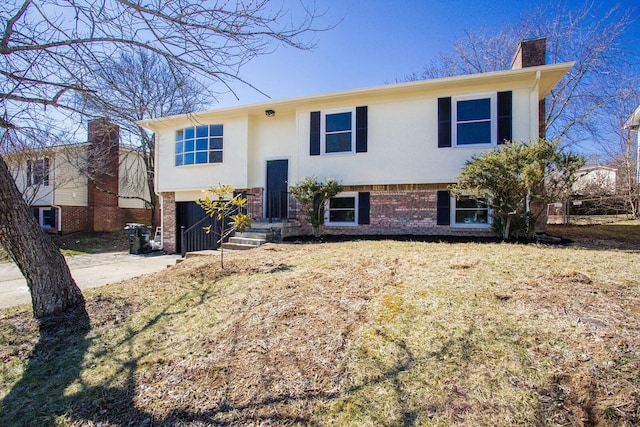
x=351, y=333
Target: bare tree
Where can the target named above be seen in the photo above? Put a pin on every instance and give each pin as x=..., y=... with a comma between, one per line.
x=50, y=51
x=43, y=266
x=38, y=168
x=139, y=85
x=591, y=37
x=31, y=170
x=621, y=150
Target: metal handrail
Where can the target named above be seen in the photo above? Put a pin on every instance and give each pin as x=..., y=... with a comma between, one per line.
x=196, y=238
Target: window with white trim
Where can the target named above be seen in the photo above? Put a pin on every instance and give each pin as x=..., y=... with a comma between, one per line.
x=38, y=172
x=342, y=210
x=46, y=217
x=474, y=120
x=199, y=145
x=467, y=211
x=338, y=132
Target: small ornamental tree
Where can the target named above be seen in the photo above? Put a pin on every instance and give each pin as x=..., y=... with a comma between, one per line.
x=517, y=181
x=313, y=195
x=229, y=213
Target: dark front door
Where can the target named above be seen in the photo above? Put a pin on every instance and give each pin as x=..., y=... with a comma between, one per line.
x=277, y=189
x=192, y=217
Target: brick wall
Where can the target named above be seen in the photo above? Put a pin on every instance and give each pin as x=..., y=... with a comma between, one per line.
x=255, y=202
x=137, y=215
x=103, y=211
x=168, y=207
x=401, y=210
x=530, y=53
x=74, y=218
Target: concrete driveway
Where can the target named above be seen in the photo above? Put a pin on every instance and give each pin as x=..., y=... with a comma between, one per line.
x=89, y=271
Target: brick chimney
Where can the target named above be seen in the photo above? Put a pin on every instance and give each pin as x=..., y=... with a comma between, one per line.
x=531, y=53
x=103, y=168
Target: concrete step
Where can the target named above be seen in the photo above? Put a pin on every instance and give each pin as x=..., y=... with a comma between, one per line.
x=246, y=241
x=265, y=235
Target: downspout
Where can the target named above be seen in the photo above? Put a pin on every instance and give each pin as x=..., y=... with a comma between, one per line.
x=53, y=205
x=58, y=218
x=156, y=181
x=535, y=107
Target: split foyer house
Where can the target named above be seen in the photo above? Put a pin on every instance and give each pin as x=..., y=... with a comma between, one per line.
x=93, y=186
x=395, y=149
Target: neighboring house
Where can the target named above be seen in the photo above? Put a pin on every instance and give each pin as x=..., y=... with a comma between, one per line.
x=593, y=192
x=595, y=180
x=395, y=149
x=54, y=183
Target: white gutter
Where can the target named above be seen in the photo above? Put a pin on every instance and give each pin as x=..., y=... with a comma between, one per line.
x=534, y=107
x=548, y=75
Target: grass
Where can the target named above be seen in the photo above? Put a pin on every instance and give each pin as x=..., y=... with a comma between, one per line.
x=620, y=234
x=92, y=242
x=84, y=243
x=350, y=333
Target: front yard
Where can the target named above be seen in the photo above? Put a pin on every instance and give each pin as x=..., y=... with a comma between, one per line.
x=351, y=333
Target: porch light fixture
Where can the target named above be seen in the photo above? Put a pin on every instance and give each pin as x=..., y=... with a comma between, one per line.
x=269, y=113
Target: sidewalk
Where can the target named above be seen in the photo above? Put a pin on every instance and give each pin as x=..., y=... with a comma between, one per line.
x=89, y=271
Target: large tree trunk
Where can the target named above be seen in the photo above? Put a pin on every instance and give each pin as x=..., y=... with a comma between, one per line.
x=52, y=288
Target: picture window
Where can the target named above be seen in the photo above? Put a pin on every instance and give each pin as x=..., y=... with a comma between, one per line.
x=199, y=145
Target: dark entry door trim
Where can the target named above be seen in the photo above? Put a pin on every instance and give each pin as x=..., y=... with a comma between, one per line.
x=277, y=189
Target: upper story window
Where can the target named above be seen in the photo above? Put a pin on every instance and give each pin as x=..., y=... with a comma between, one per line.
x=199, y=145
x=337, y=132
x=38, y=172
x=474, y=120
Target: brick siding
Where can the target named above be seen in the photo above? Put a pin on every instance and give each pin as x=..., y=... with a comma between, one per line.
x=169, y=222
x=394, y=210
x=74, y=218
x=255, y=205
x=103, y=213
x=137, y=215
x=402, y=210
x=530, y=53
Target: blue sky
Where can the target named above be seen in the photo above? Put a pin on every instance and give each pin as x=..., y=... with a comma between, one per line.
x=376, y=42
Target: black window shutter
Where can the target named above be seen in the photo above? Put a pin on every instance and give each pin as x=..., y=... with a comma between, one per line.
x=444, y=207
x=364, y=207
x=504, y=116
x=46, y=171
x=314, y=140
x=444, y=122
x=29, y=172
x=361, y=129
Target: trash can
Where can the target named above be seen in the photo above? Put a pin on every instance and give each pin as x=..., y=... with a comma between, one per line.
x=139, y=238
